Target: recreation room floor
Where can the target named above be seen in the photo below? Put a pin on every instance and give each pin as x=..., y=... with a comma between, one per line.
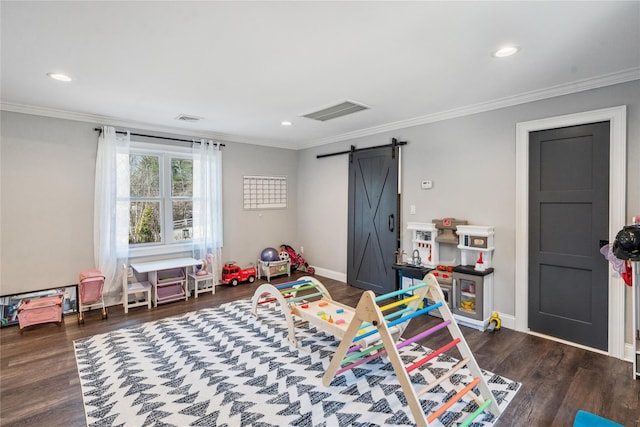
x=39, y=382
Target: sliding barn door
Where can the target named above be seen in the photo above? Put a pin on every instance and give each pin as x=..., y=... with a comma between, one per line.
x=373, y=219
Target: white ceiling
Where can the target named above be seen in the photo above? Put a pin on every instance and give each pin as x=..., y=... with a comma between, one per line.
x=246, y=66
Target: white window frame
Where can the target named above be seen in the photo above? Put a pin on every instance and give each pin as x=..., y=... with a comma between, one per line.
x=167, y=245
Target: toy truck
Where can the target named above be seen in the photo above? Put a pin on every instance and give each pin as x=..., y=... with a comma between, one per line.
x=233, y=274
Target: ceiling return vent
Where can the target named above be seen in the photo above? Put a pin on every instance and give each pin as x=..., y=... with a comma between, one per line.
x=188, y=118
x=342, y=109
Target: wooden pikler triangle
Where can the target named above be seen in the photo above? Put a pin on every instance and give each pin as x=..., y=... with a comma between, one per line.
x=357, y=348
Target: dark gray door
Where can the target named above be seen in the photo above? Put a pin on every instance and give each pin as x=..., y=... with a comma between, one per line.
x=373, y=219
x=568, y=216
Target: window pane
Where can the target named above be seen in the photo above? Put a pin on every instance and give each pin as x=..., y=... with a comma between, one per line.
x=182, y=220
x=181, y=178
x=145, y=175
x=144, y=225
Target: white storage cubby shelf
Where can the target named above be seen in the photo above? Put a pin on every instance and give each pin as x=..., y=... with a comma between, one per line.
x=171, y=286
x=474, y=240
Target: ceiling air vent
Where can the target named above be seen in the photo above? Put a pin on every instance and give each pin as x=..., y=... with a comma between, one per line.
x=335, y=111
x=188, y=118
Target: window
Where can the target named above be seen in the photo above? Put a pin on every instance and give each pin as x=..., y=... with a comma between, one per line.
x=161, y=191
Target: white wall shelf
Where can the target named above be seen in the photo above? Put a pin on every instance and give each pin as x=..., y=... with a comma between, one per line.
x=424, y=241
x=473, y=280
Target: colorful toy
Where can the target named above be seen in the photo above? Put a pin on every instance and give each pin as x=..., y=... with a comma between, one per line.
x=366, y=333
x=494, y=322
x=90, y=286
x=480, y=263
x=233, y=274
x=284, y=255
x=269, y=254
x=201, y=269
x=297, y=261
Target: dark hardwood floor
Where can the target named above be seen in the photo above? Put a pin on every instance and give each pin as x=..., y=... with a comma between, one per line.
x=39, y=383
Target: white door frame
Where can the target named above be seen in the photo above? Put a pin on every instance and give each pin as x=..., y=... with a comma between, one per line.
x=617, y=117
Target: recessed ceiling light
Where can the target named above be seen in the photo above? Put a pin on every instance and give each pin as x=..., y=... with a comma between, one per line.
x=505, y=51
x=286, y=123
x=60, y=77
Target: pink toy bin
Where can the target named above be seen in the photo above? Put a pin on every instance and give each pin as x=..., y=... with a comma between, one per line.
x=40, y=310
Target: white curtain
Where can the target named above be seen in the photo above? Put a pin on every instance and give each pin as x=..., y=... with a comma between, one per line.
x=111, y=210
x=207, y=204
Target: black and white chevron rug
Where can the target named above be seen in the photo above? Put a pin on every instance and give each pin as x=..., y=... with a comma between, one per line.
x=222, y=367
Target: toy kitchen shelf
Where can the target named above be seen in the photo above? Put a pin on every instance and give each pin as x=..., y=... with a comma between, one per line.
x=468, y=287
x=473, y=279
x=424, y=243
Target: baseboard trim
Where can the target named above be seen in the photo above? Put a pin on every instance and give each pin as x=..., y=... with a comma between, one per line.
x=330, y=274
x=507, y=321
x=629, y=352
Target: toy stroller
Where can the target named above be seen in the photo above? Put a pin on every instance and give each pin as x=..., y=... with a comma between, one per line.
x=297, y=261
x=90, y=287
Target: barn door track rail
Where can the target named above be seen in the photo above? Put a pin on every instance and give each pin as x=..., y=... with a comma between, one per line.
x=394, y=143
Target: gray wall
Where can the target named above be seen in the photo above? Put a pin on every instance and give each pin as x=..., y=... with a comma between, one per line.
x=471, y=161
x=47, y=186
x=47, y=189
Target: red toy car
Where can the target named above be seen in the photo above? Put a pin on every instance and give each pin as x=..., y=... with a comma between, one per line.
x=233, y=274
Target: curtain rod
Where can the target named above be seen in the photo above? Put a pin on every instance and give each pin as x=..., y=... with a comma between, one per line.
x=157, y=137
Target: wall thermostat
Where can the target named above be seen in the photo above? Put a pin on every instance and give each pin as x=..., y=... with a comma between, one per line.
x=426, y=185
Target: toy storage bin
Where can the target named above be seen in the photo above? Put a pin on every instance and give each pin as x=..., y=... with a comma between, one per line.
x=170, y=285
x=170, y=292
x=171, y=275
x=41, y=310
x=273, y=268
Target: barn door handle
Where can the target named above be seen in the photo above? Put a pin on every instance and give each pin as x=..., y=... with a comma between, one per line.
x=391, y=223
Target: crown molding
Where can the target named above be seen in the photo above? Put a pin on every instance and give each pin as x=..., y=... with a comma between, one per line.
x=509, y=101
x=129, y=124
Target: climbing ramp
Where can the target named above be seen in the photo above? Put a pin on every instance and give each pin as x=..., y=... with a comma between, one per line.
x=352, y=353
